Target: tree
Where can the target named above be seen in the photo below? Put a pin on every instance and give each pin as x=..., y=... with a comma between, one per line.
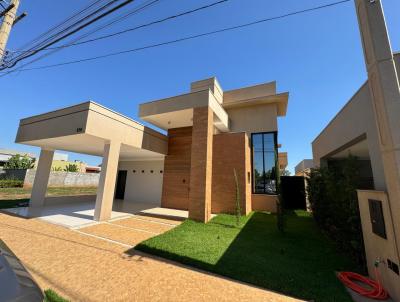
x=19, y=162
x=237, y=201
x=71, y=168
x=284, y=172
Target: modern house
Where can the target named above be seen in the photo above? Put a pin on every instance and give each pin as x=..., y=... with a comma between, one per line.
x=209, y=135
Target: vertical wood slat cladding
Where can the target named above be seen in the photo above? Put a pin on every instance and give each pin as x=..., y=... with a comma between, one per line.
x=176, y=180
x=230, y=151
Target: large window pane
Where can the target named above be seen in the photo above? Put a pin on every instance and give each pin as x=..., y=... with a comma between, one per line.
x=258, y=164
x=264, y=171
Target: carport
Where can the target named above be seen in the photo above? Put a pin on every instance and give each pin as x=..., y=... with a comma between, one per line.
x=92, y=129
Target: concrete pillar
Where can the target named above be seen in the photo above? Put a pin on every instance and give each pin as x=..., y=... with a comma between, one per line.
x=108, y=176
x=201, y=164
x=385, y=92
x=41, y=178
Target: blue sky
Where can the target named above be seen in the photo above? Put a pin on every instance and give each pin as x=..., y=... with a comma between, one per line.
x=316, y=56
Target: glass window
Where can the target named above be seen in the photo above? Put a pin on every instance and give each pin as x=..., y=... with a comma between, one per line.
x=264, y=155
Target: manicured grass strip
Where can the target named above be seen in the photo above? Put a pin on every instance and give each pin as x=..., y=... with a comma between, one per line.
x=300, y=263
x=51, y=296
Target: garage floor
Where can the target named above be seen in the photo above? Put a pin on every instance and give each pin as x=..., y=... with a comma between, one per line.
x=76, y=215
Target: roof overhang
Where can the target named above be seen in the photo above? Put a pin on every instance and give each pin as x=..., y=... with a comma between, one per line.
x=87, y=127
x=281, y=101
x=176, y=112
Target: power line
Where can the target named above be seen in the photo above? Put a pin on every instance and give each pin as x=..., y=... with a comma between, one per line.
x=182, y=39
x=140, y=26
x=118, y=19
x=74, y=30
x=73, y=16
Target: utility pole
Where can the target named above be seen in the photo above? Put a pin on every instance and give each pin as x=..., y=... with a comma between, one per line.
x=384, y=87
x=6, y=26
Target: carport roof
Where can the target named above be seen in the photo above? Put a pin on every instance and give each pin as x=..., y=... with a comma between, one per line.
x=86, y=127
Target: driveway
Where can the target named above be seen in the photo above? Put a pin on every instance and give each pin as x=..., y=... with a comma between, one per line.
x=97, y=263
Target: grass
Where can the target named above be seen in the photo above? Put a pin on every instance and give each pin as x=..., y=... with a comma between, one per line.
x=12, y=197
x=300, y=263
x=51, y=296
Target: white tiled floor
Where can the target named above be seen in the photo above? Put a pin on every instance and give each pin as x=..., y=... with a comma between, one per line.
x=80, y=214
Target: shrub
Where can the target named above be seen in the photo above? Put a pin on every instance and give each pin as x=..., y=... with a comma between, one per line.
x=11, y=183
x=237, y=201
x=333, y=198
x=19, y=162
x=71, y=168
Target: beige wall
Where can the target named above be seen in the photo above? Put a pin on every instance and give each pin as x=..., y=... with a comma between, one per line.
x=145, y=184
x=261, y=118
x=376, y=247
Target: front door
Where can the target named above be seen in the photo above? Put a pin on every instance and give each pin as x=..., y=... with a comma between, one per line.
x=121, y=182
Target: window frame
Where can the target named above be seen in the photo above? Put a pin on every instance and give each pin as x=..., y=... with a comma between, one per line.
x=275, y=133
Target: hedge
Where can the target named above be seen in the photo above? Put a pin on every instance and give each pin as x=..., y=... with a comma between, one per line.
x=11, y=183
x=333, y=198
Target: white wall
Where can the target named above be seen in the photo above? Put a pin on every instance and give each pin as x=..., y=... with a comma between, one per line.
x=146, y=186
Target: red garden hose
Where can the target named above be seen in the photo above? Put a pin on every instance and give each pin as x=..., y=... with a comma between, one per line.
x=374, y=289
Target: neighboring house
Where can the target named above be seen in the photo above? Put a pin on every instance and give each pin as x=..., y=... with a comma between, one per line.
x=356, y=130
x=303, y=167
x=60, y=161
x=210, y=133
x=6, y=154
x=353, y=131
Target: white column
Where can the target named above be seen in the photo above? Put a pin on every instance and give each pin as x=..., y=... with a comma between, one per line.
x=108, y=176
x=41, y=178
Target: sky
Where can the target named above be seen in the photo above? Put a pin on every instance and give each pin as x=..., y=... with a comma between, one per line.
x=316, y=57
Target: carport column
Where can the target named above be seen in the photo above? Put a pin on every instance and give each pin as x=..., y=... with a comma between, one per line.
x=383, y=83
x=41, y=178
x=201, y=164
x=108, y=176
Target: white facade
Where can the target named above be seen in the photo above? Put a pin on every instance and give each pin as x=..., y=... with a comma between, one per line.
x=144, y=180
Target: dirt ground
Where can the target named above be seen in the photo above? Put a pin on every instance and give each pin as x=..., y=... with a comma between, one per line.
x=85, y=268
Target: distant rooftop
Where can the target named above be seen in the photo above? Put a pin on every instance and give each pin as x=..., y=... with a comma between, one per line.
x=304, y=165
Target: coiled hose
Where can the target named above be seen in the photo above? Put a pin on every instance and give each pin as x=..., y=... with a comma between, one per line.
x=374, y=289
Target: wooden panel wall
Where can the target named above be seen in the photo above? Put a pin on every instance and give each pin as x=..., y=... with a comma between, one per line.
x=175, y=192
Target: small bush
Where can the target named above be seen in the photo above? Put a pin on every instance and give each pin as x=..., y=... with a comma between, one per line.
x=11, y=183
x=71, y=168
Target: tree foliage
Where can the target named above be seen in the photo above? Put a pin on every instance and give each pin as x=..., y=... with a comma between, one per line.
x=19, y=162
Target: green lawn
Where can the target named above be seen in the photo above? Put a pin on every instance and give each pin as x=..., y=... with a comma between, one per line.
x=300, y=263
x=11, y=197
